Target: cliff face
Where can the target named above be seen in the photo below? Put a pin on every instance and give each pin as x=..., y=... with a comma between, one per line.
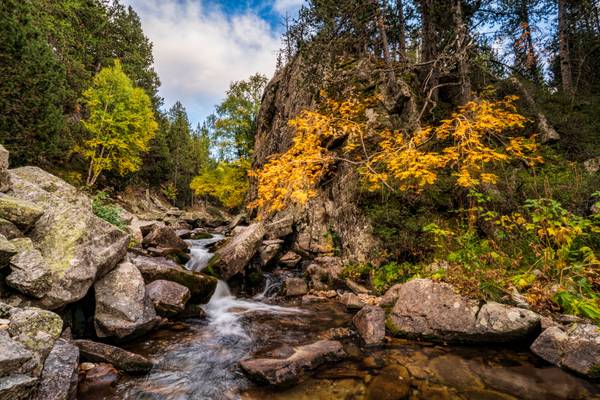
x=332, y=222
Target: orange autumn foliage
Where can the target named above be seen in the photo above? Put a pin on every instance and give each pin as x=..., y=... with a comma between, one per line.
x=467, y=144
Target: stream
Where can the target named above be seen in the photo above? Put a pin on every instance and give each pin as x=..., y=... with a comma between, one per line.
x=199, y=359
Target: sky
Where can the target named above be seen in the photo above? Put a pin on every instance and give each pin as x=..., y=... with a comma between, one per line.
x=201, y=46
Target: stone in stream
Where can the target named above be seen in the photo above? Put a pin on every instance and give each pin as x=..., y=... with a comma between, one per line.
x=98, y=379
x=351, y=301
x=17, y=387
x=30, y=274
x=233, y=257
x=60, y=374
x=576, y=349
x=201, y=286
x=370, y=324
x=169, y=298
x=293, y=369
x=122, y=359
x=123, y=308
x=295, y=287
x=392, y=383
x=77, y=246
x=434, y=310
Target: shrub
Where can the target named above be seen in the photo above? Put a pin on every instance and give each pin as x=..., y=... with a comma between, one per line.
x=103, y=208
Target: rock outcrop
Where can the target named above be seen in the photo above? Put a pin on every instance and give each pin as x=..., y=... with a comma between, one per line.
x=122, y=359
x=201, y=286
x=293, y=369
x=123, y=308
x=576, y=348
x=435, y=311
x=232, y=258
x=77, y=246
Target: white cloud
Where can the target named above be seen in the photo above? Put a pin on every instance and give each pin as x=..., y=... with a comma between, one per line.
x=198, y=50
x=283, y=6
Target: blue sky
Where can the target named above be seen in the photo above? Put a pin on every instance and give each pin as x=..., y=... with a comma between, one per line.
x=200, y=46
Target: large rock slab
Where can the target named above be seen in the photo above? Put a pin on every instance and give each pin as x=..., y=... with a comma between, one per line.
x=17, y=387
x=370, y=324
x=576, y=349
x=4, y=164
x=122, y=359
x=293, y=369
x=14, y=357
x=435, y=311
x=30, y=274
x=22, y=213
x=201, y=286
x=122, y=306
x=169, y=298
x=233, y=257
x=60, y=374
x=77, y=246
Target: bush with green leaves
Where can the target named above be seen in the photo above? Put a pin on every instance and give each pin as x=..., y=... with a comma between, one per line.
x=103, y=208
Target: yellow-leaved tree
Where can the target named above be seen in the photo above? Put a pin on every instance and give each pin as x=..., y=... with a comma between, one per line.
x=476, y=137
x=227, y=182
x=120, y=124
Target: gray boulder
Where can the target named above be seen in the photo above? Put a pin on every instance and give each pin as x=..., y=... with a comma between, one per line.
x=60, y=374
x=169, y=298
x=35, y=328
x=7, y=251
x=77, y=246
x=17, y=387
x=164, y=237
x=14, y=357
x=122, y=306
x=122, y=359
x=30, y=274
x=22, y=213
x=390, y=296
x=370, y=324
x=201, y=286
x=268, y=251
x=435, y=311
x=293, y=369
x=576, y=349
x=233, y=257
x=4, y=164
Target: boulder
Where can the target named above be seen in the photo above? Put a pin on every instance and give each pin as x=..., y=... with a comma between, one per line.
x=22, y=244
x=169, y=298
x=22, y=213
x=123, y=308
x=351, y=301
x=164, y=237
x=390, y=296
x=36, y=329
x=14, y=357
x=60, y=374
x=290, y=259
x=17, y=387
x=295, y=287
x=9, y=230
x=77, y=246
x=435, y=311
x=4, y=164
x=233, y=257
x=576, y=349
x=268, y=251
x=201, y=286
x=30, y=274
x=122, y=359
x=280, y=228
x=370, y=324
x=7, y=251
x=392, y=383
x=293, y=369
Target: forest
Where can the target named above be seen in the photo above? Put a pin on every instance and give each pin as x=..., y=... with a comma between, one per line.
x=408, y=208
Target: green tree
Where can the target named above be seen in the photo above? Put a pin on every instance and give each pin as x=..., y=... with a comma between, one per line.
x=120, y=123
x=236, y=117
x=32, y=87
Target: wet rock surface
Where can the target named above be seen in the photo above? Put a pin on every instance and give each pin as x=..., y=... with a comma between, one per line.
x=370, y=324
x=293, y=369
x=60, y=375
x=169, y=298
x=233, y=257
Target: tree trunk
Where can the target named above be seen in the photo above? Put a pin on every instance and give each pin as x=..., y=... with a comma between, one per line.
x=401, y=31
x=387, y=57
x=428, y=47
x=460, y=29
x=565, y=57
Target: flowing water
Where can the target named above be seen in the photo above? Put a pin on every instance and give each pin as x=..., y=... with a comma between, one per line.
x=200, y=360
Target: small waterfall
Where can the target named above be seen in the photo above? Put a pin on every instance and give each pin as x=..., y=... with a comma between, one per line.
x=199, y=253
